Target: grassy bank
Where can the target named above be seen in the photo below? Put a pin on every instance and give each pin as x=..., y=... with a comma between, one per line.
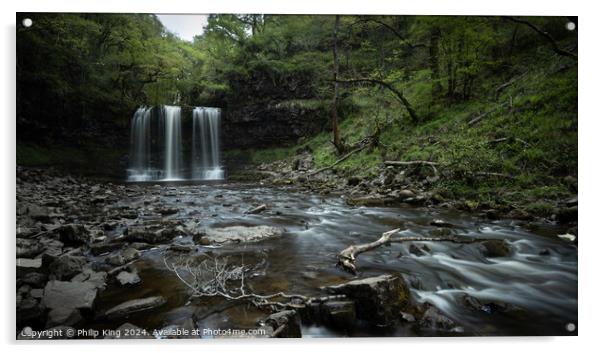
x=518, y=154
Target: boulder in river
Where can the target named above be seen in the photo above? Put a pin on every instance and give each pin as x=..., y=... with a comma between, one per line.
x=133, y=306
x=494, y=248
x=338, y=313
x=434, y=319
x=241, y=234
x=377, y=299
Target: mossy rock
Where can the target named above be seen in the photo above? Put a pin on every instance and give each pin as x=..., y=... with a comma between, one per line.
x=495, y=248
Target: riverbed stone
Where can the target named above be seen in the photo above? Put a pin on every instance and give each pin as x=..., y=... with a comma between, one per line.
x=377, y=299
x=104, y=247
x=128, y=278
x=66, y=267
x=28, y=264
x=434, y=319
x=29, y=309
x=150, y=234
x=241, y=234
x=63, y=316
x=339, y=313
x=75, y=234
x=97, y=279
x=35, y=279
x=38, y=213
x=28, y=247
x=77, y=295
x=133, y=306
x=495, y=248
x=291, y=321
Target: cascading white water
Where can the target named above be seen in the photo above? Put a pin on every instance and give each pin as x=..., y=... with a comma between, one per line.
x=157, y=146
x=140, y=163
x=173, y=142
x=205, y=144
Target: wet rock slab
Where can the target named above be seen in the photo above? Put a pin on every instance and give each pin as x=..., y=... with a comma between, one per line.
x=60, y=294
x=377, y=299
x=241, y=234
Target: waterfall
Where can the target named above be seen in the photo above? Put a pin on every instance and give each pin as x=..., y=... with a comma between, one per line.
x=205, y=144
x=173, y=142
x=140, y=139
x=159, y=138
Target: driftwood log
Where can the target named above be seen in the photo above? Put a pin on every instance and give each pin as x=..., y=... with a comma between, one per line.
x=347, y=257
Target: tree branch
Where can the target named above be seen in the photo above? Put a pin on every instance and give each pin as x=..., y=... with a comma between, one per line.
x=544, y=34
x=390, y=87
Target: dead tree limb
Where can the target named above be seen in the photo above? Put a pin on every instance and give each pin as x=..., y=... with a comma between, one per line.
x=398, y=163
x=338, y=161
x=404, y=163
x=390, y=87
x=545, y=35
x=257, y=209
x=500, y=175
x=475, y=120
x=217, y=277
x=507, y=84
x=347, y=257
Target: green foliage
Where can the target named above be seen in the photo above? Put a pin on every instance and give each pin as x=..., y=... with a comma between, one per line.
x=82, y=72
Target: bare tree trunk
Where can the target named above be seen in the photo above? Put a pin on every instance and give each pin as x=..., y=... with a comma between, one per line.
x=336, y=134
x=434, y=62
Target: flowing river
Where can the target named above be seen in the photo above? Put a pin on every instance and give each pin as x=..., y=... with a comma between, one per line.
x=539, y=277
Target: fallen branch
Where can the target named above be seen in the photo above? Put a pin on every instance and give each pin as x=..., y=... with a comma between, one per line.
x=501, y=175
x=257, y=209
x=478, y=118
x=505, y=85
x=398, y=163
x=503, y=139
x=217, y=277
x=347, y=257
x=404, y=163
x=338, y=161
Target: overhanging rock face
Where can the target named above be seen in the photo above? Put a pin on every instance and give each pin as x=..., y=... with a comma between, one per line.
x=261, y=126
